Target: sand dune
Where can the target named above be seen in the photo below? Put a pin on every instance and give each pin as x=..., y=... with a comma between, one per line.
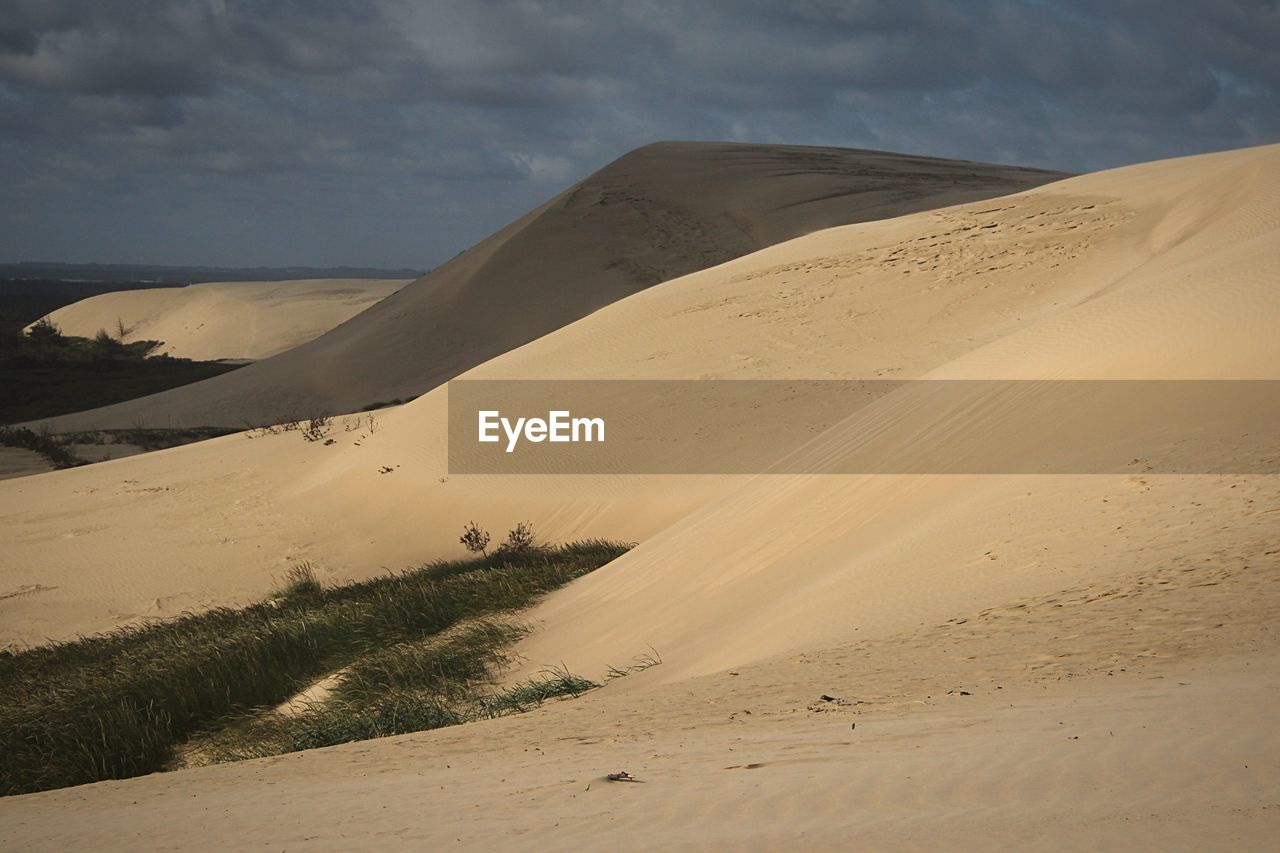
x=1094, y=648
x=1069, y=269
x=657, y=213
x=226, y=320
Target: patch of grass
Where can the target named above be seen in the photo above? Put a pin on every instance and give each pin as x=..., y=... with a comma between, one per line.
x=117, y=705
x=405, y=687
x=552, y=684
x=329, y=724
x=300, y=582
x=410, y=687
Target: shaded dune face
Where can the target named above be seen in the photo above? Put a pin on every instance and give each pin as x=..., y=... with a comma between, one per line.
x=661, y=211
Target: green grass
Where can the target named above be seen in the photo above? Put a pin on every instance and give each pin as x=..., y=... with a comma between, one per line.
x=121, y=704
x=442, y=680
x=301, y=582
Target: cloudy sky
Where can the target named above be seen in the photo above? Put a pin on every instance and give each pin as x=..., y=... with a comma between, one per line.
x=397, y=132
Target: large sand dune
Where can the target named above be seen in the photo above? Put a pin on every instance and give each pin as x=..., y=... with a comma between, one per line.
x=1093, y=649
x=226, y=320
x=1145, y=272
x=659, y=212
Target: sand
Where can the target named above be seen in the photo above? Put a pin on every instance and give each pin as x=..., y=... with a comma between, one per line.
x=657, y=213
x=231, y=320
x=1041, y=661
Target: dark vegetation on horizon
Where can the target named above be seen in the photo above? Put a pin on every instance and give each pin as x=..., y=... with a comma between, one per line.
x=406, y=652
x=46, y=373
x=60, y=450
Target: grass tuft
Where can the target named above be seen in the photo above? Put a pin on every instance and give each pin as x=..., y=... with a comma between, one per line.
x=300, y=582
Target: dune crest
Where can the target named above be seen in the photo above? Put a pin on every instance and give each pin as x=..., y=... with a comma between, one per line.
x=657, y=213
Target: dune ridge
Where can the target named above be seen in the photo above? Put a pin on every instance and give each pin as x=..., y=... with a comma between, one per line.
x=659, y=212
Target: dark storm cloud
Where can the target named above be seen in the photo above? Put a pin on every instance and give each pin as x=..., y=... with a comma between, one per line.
x=394, y=132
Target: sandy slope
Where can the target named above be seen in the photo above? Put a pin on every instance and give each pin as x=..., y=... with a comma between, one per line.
x=659, y=212
x=1113, y=718
x=1130, y=611
x=227, y=320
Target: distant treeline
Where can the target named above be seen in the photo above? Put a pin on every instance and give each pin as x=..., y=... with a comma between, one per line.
x=140, y=274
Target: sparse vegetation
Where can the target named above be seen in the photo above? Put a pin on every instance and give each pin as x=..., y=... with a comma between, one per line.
x=44, y=332
x=51, y=447
x=46, y=373
x=124, y=703
x=474, y=539
x=520, y=540
x=145, y=437
x=60, y=448
x=316, y=428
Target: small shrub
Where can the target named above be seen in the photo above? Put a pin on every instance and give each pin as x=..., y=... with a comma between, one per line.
x=314, y=429
x=105, y=347
x=474, y=539
x=45, y=331
x=520, y=540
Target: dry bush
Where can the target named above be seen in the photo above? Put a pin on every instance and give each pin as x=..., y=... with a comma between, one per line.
x=316, y=428
x=474, y=539
x=520, y=540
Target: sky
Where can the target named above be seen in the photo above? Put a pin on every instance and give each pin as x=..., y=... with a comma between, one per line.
x=396, y=133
